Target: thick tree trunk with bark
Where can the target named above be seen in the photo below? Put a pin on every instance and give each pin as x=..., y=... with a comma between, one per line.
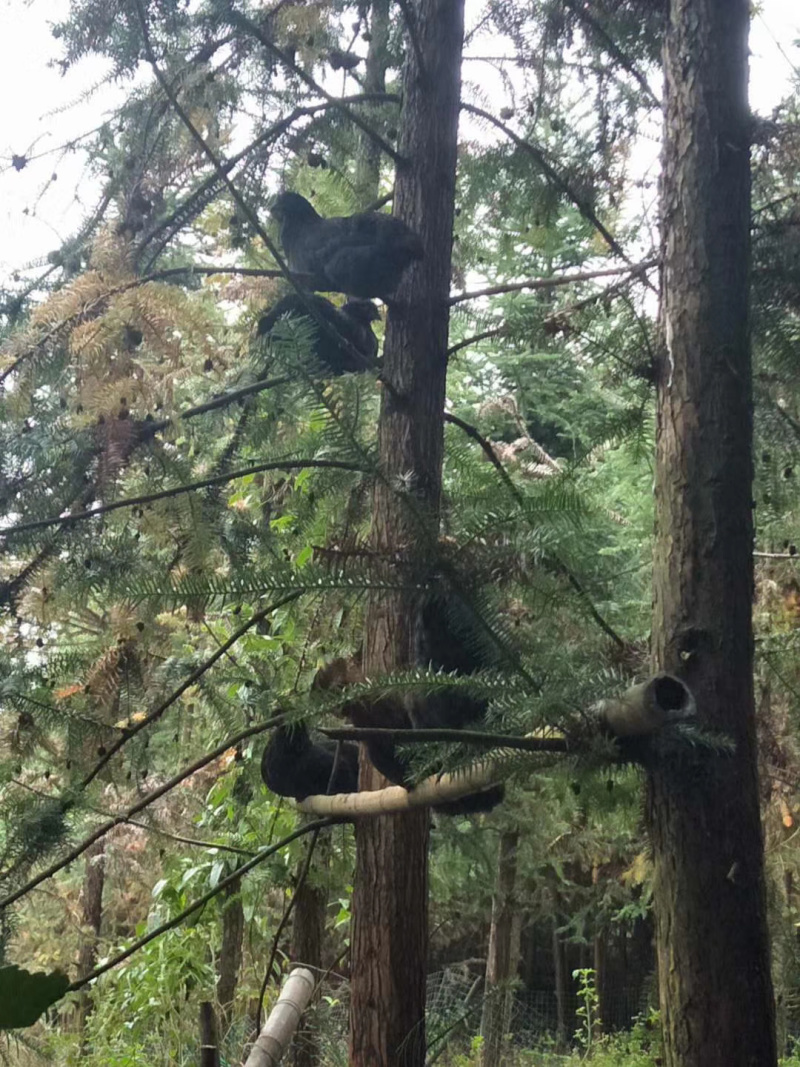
x=713, y=958
x=389, y=944
x=503, y=955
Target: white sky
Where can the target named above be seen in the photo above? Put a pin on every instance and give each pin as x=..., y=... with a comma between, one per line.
x=37, y=213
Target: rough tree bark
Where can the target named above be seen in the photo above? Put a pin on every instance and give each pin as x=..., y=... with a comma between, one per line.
x=713, y=957
x=503, y=955
x=390, y=914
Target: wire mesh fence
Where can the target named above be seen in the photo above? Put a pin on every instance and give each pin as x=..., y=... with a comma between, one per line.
x=455, y=1000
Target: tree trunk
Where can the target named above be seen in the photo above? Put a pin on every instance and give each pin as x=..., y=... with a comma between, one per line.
x=503, y=954
x=209, y=1039
x=308, y=931
x=230, y=953
x=713, y=958
x=91, y=904
x=600, y=954
x=561, y=979
x=368, y=161
x=389, y=942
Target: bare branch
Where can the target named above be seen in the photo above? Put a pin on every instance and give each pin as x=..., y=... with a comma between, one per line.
x=555, y=281
x=498, y=331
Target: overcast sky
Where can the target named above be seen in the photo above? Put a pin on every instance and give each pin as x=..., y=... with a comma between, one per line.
x=46, y=202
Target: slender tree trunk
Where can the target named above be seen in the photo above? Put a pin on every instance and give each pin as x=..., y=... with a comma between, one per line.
x=503, y=955
x=368, y=162
x=209, y=1039
x=389, y=943
x=91, y=921
x=230, y=953
x=600, y=981
x=308, y=932
x=713, y=958
x=561, y=980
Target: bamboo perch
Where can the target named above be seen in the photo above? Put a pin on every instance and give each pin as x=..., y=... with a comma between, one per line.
x=278, y=1030
x=640, y=711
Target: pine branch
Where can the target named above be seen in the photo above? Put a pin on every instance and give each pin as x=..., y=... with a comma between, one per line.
x=205, y=192
x=585, y=209
x=188, y=682
x=581, y=12
x=98, y=305
x=250, y=27
x=178, y=490
x=560, y=567
x=140, y=805
x=326, y=327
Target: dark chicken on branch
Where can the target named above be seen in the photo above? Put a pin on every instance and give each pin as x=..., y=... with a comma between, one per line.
x=352, y=322
x=449, y=642
x=295, y=766
x=362, y=255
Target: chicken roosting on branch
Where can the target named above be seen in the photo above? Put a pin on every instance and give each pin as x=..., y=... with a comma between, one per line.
x=362, y=255
x=352, y=323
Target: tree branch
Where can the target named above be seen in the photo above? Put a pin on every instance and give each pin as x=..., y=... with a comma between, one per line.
x=189, y=487
x=188, y=682
x=411, y=26
x=140, y=805
x=250, y=27
x=550, y=172
x=581, y=12
x=554, y=282
x=468, y=737
x=498, y=331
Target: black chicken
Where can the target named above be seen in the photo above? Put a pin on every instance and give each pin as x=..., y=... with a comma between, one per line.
x=353, y=322
x=362, y=255
x=448, y=641
x=295, y=766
